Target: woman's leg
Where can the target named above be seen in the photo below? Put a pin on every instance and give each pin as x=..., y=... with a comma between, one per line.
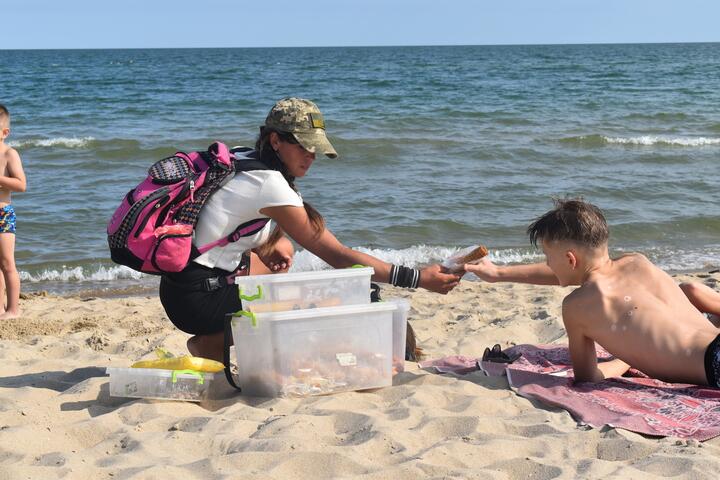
x=212, y=345
x=704, y=299
x=207, y=346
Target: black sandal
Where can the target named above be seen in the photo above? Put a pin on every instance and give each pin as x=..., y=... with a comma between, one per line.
x=496, y=355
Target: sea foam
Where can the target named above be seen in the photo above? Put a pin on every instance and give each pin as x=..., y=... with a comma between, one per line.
x=71, y=142
x=660, y=140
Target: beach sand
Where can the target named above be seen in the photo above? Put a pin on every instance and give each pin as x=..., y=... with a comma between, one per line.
x=57, y=419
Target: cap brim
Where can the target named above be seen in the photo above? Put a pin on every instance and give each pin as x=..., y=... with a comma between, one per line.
x=316, y=142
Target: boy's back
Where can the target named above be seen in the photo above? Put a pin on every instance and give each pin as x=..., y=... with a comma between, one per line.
x=639, y=314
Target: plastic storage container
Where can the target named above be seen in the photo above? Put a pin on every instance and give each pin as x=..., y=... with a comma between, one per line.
x=400, y=316
x=184, y=385
x=315, y=351
x=297, y=291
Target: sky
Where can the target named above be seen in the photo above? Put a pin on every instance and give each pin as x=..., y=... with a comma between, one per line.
x=35, y=24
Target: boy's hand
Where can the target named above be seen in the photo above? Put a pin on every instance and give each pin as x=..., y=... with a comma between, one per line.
x=484, y=269
x=438, y=279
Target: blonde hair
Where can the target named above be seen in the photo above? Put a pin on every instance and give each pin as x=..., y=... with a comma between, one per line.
x=572, y=219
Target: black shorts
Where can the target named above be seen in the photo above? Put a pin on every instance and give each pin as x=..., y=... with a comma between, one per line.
x=712, y=363
x=193, y=309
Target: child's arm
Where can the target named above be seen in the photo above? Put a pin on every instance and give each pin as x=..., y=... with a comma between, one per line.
x=15, y=179
x=582, y=348
x=536, y=273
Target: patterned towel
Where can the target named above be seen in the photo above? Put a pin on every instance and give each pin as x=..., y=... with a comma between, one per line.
x=635, y=402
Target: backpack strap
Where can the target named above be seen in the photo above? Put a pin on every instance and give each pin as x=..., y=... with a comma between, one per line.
x=245, y=163
x=227, y=338
x=247, y=229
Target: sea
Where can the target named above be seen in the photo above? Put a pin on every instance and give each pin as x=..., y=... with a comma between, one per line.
x=440, y=147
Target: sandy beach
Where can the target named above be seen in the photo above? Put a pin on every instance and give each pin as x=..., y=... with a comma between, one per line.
x=57, y=419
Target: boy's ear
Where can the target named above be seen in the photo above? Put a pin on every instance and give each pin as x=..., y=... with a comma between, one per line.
x=571, y=259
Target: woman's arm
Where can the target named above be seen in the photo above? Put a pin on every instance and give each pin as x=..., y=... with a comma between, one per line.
x=295, y=222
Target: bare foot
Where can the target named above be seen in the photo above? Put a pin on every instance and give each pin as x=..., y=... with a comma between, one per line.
x=8, y=315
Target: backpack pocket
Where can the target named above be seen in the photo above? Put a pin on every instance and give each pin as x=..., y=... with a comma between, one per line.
x=172, y=252
x=169, y=170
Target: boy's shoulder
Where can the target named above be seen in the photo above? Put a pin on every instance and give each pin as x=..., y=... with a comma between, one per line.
x=8, y=152
x=631, y=257
x=582, y=297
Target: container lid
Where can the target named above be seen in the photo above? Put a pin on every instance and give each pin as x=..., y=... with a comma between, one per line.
x=157, y=372
x=323, y=312
x=305, y=276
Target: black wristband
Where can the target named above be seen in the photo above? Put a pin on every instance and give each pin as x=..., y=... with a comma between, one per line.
x=404, y=276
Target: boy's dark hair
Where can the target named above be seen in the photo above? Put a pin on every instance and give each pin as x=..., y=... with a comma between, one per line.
x=4, y=112
x=572, y=219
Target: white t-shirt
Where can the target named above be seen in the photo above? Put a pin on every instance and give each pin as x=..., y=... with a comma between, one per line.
x=239, y=201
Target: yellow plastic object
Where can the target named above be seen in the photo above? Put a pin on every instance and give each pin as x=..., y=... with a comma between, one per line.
x=186, y=362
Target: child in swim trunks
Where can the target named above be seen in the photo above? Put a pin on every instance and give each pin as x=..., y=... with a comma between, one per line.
x=12, y=179
x=632, y=308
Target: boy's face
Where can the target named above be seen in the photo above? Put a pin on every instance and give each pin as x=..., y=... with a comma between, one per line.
x=561, y=260
x=4, y=128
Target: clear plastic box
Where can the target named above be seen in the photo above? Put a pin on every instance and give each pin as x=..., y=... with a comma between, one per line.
x=400, y=316
x=297, y=291
x=315, y=351
x=160, y=384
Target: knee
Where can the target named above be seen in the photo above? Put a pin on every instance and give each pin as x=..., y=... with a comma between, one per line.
x=7, y=265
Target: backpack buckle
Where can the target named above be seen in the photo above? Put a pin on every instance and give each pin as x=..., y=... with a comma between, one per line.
x=213, y=283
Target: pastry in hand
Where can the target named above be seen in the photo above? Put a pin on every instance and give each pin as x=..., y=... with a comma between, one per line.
x=475, y=254
x=469, y=255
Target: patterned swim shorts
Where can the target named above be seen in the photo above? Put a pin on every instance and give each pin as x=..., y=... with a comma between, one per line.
x=712, y=363
x=7, y=219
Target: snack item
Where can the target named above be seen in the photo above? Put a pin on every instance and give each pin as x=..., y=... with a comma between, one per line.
x=467, y=255
x=475, y=254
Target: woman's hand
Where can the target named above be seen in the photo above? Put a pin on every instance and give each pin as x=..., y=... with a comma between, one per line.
x=277, y=258
x=437, y=278
x=484, y=269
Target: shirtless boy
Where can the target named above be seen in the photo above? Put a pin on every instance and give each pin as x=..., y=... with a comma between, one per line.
x=12, y=179
x=629, y=306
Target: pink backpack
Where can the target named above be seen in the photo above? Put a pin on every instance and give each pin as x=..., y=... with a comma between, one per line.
x=152, y=229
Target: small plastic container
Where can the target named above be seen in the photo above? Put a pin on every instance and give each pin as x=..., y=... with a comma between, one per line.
x=185, y=385
x=303, y=290
x=400, y=316
x=314, y=351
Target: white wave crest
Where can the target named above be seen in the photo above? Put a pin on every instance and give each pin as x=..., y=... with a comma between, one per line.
x=653, y=140
x=79, y=274
x=53, y=142
x=417, y=255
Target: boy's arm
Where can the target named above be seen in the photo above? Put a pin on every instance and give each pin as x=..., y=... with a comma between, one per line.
x=15, y=179
x=536, y=273
x=582, y=348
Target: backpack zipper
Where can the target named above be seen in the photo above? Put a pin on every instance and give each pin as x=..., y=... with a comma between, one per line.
x=160, y=203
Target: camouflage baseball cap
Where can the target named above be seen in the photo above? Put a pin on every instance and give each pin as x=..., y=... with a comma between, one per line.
x=303, y=119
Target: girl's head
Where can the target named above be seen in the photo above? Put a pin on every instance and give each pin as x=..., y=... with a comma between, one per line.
x=284, y=152
x=302, y=121
x=293, y=133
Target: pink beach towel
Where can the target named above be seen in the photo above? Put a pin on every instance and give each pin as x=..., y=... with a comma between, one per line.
x=636, y=403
